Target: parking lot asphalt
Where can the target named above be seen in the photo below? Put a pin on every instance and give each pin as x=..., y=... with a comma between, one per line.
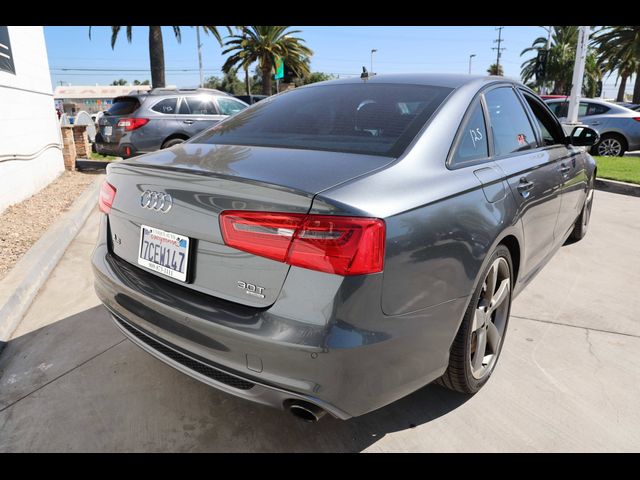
x=568, y=378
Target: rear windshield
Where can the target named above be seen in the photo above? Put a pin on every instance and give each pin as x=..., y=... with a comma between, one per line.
x=124, y=106
x=376, y=119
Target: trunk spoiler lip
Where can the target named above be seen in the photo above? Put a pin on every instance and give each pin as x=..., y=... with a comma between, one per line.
x=134, y=162
x=116, y=166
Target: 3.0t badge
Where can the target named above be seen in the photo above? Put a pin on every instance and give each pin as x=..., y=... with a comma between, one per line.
x=251, y=289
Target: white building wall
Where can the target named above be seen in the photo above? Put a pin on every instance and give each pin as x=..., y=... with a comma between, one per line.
x=28, y=121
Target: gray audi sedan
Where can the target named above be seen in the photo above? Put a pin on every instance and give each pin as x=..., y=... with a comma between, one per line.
x=339, y=246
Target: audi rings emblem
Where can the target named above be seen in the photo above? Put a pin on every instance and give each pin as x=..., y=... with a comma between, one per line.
x=160, y=202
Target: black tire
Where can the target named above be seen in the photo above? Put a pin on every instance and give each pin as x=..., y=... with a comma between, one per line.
x=172, y=142
x=582, y=222
x=607, y=143
x=459, y=376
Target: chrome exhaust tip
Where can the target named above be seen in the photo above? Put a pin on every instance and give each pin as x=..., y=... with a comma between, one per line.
x=305, y=411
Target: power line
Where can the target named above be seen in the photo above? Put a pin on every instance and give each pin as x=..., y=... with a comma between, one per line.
x=67, y=69
x=498, y=48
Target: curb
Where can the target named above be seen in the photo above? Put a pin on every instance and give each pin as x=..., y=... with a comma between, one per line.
x=83, y=165
x=19, y=288
x=86, y=164
x=613, y=186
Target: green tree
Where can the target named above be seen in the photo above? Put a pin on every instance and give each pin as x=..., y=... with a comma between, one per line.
x=495, y=69
x=212, y=82
x=313, y=77
x=618, y=50
x=122, y=81
x=232, y=84
x=262, y=44
x=242, y=58
x=560, y=62
x=138, y=82
x=593, y=73
x=156, y=47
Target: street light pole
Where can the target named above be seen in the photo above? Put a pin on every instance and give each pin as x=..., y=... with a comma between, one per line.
x=543, y=88
x=200, y=56
x=578, y=75
x=373, y=50
x=470, y=57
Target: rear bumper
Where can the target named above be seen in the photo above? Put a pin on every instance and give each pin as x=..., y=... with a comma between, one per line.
x=353, y=361
x=116, y=149
x=214, y=375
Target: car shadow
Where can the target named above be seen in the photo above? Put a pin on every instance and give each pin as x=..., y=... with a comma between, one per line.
x=96, y=391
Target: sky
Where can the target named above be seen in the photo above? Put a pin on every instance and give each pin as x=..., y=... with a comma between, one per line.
x=339, y=50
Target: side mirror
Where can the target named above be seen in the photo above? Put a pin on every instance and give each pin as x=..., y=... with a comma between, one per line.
x=583, y=137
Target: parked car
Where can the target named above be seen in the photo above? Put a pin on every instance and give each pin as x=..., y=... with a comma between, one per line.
x=339, y=247
x=251, y=99
x=144, y=122
x=619, y=127
x=629, y=105
x=549, y=97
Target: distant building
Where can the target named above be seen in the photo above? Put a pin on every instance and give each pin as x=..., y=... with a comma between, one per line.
x=30, y=140
x=91, y=99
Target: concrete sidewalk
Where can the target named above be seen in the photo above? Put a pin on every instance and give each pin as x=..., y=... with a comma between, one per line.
x=568, y=379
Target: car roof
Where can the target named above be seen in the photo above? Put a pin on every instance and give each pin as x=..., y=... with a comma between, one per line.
x=173, y=92
x=450, y=80
x=582, y=99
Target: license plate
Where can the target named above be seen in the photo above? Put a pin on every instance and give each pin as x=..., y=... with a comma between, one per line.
x=164, y=252
x=108, y=130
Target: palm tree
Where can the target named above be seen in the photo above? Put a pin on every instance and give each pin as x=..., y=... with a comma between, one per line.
x=619, y=51
x=495, y=69
x=593, y=73
x=560, y=62
x=156, y=48
x=560, y=59
x=263, y=44
x=241, y=58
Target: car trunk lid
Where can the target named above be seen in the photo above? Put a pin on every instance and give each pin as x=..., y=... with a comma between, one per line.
x=203, y=181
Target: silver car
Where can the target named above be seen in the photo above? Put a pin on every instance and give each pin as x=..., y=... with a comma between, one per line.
x=619, y=127
x=148, y=121
x=341, y=245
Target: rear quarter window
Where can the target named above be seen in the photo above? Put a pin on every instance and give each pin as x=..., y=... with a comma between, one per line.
x=596, y=109
x=472, y=144
x=166, y=106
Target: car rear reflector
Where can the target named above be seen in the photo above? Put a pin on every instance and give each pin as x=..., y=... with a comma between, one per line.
x=327, y=243
x=132, y=123
x=107, y=195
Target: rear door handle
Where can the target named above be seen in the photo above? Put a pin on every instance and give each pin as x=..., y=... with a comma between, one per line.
x=564, y=169
x=188, y=122
x=524, y=187
x=594, y=123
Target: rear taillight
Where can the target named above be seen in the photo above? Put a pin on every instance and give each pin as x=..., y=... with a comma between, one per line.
x=107, y=195
x=132, y=123
x=637, y=119
x=328, y=243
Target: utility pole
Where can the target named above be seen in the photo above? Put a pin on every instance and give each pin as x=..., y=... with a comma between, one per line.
x=498, y=48
x=200, y=56
x=543, y=88
x=578, y=75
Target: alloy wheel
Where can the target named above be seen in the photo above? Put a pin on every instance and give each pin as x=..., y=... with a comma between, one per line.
x=490, y=318
x=609, y=147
